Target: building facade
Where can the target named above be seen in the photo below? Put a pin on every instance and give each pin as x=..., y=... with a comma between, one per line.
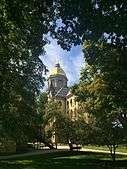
x=58, y=90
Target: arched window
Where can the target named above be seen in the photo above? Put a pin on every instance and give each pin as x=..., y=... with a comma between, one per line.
x=71, y=102
x=67, y=103
x=60, y=103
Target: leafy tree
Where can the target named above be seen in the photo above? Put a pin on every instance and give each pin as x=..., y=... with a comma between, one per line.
x=39, y=121
x=110, y=65
x=20, y=67
x=91, y=19
x=24, y=26
x=109, y=132
x=101, y=90
x=103, y=84
x=57, y=122
x=43, y=133
x=42, y=101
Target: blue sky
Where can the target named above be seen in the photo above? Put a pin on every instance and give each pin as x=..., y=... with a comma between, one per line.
x=71, y=61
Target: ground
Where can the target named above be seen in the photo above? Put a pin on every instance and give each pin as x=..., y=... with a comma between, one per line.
x=66, y=160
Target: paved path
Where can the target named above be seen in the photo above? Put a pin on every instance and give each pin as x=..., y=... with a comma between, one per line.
x=101, y=151
x=92, y=150
x=60, y=148
x=37, y=152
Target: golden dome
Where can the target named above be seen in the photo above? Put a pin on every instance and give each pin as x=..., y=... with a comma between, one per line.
x=57, y=70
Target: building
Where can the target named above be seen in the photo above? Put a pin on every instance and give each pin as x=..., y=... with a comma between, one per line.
x=58, y=90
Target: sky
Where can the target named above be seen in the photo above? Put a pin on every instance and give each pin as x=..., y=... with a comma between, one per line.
x=71, y=62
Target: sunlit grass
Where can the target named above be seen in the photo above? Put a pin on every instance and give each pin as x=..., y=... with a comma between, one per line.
x=120, y=148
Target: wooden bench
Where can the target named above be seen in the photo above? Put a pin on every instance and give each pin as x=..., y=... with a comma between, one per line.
x=74, y=147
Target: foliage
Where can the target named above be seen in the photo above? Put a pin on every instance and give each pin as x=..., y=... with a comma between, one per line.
x=24, y=26
x=110, y=65
x=93, y=19
x=21, y=70
x=102, y=90
x=57, y=122
x=65, y=129
x=42, y=101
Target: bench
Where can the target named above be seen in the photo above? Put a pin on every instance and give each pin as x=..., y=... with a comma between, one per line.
x=74, y=147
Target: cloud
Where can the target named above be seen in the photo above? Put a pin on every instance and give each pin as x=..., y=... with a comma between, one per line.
x=71, y=61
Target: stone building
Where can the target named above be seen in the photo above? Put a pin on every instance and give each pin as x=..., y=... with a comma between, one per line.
x=58, y=89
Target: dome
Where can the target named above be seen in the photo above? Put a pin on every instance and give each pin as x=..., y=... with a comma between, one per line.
x=57, y=70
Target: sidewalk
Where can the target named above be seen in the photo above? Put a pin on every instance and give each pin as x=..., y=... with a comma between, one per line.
x=102, y=151
x=36, y=152
x=92, y=150
x=46, y=151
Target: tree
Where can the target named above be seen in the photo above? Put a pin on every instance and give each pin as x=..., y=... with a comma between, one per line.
x=24, y=26
x=42, y=101
x=101, y=91
x=58, y=125
x=100, y=21
x=111, y=65
x=57, y=122
x=110, y=133
x=20, y=66
x=91, y=20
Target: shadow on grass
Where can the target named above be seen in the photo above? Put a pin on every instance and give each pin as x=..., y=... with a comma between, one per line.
x=65, y=160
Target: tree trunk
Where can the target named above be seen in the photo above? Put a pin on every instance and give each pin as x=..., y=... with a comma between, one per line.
x=48, y=144
x=113, y=153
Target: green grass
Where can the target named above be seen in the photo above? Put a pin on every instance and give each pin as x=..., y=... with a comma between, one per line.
x=66, y=160
x=121, y=148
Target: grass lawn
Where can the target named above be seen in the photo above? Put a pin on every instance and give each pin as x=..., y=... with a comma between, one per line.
x=120, y=148
x=65, y=160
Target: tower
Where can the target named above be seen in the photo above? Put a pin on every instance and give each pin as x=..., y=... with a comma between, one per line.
x=57, y=90
x=57, y=83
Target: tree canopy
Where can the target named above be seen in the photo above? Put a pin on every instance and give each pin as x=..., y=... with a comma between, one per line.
x=21, y=41
x=24, y=26
x=92, y=19
x=102, y=91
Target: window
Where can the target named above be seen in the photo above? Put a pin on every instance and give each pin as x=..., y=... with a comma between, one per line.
x=60, y=103
x=75, y=101
x=71, y=113
x=71, y=102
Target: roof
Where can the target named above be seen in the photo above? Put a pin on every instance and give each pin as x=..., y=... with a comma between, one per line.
x=57, y=70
